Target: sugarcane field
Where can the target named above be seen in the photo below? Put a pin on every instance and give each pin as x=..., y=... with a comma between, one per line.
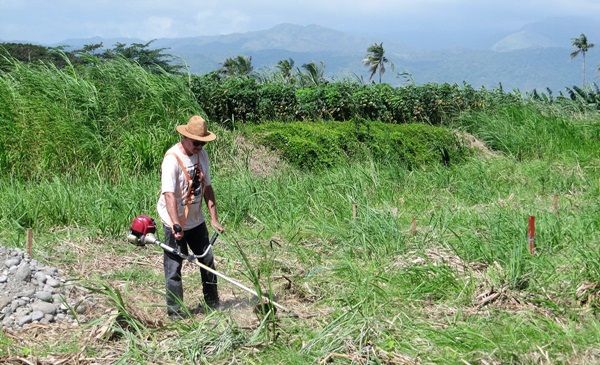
x=282, y=215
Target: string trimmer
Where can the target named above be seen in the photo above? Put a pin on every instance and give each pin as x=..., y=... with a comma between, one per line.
x=142, y=232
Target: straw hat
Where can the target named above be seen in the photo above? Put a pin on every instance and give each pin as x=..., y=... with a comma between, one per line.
x=196, y=129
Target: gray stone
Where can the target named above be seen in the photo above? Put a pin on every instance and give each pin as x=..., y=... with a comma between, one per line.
x=27, y=293
x=30, y=291
x=22, y=311
x=7, y=321
x=58, y=298
x=52, y=282
x=23, y=273
x=47, y=308
x=17, y=303
x=40, y=277
x=48, y=288
x=44, y=295
x=12, y=262
x=4, y=300
x=81, y=307
x=37, y=315
x=23, y=320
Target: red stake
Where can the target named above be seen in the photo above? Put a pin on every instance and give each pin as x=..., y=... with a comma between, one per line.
x=531, y=235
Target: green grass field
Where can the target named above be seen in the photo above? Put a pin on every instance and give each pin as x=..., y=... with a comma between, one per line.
x=383, y=262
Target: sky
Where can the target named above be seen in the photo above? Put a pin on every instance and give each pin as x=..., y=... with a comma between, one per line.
x=458, y=21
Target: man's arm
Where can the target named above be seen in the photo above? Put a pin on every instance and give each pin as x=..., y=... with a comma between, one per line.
x=171, y=204
x=211, y=204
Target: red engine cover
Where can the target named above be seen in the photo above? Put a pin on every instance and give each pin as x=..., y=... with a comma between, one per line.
x=142, y=225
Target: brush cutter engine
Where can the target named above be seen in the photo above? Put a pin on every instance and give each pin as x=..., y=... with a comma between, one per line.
x=141, y=226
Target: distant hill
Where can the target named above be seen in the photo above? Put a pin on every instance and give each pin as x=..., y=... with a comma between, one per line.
x=524, y=69
x=552, y=32
x=311, y=43
x=536, y=56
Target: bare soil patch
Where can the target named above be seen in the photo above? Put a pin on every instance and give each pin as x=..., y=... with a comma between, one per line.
x=260, y=160
x=476, y=144
x=438, y=256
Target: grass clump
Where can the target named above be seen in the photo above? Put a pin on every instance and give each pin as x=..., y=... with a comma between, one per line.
x=327, y=144
x=533, y=132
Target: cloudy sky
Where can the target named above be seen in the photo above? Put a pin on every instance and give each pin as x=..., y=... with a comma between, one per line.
x=44, y=21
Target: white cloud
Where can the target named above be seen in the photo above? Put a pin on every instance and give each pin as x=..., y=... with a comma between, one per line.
x=158, y=27
x=221, y=22
x=60, y=19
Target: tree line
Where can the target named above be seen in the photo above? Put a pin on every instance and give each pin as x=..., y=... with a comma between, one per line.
x=152, y=59
x=158, y=60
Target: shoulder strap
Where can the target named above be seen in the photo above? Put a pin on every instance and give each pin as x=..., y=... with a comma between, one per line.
x=189, y=181
x=182, y=220
x=181, y=165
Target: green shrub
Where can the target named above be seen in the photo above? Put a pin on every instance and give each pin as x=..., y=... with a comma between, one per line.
x=326, y=144
x=227, y=100
x=311, y=103
x=414, y=145
x=245, y=99
x=371, y=102
x=277, y=101
x=338, y=100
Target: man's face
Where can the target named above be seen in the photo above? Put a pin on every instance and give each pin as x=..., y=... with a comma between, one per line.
x=192, y=145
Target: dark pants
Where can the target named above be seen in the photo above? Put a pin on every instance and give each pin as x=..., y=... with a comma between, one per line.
x=197, y=239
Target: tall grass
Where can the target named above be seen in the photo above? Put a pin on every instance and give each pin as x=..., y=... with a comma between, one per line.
x=535, y=131
x=74, y=121
x=383, y=291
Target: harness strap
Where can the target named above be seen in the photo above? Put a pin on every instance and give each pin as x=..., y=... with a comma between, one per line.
x=188, y=199
x=186, y=174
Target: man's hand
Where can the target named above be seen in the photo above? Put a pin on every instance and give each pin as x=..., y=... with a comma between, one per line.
x=217, y=226
x=177, y=232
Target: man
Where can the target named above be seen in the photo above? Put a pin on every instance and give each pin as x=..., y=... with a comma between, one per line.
x=185, y=180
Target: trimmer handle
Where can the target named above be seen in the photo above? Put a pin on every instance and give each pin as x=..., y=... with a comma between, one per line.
x=213, y=238
x=211, y=242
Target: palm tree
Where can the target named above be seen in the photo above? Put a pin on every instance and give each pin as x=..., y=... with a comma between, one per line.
x=314, y=73
x=285, y=67
x=581, y=46
x=376, y=60
x=237, y=66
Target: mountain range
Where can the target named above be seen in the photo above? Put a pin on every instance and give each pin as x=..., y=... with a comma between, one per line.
x=536, y=56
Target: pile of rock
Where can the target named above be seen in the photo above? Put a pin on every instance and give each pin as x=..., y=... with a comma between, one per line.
x=34, y=293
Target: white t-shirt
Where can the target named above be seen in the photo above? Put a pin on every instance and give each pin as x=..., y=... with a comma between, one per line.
x=173, y=180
